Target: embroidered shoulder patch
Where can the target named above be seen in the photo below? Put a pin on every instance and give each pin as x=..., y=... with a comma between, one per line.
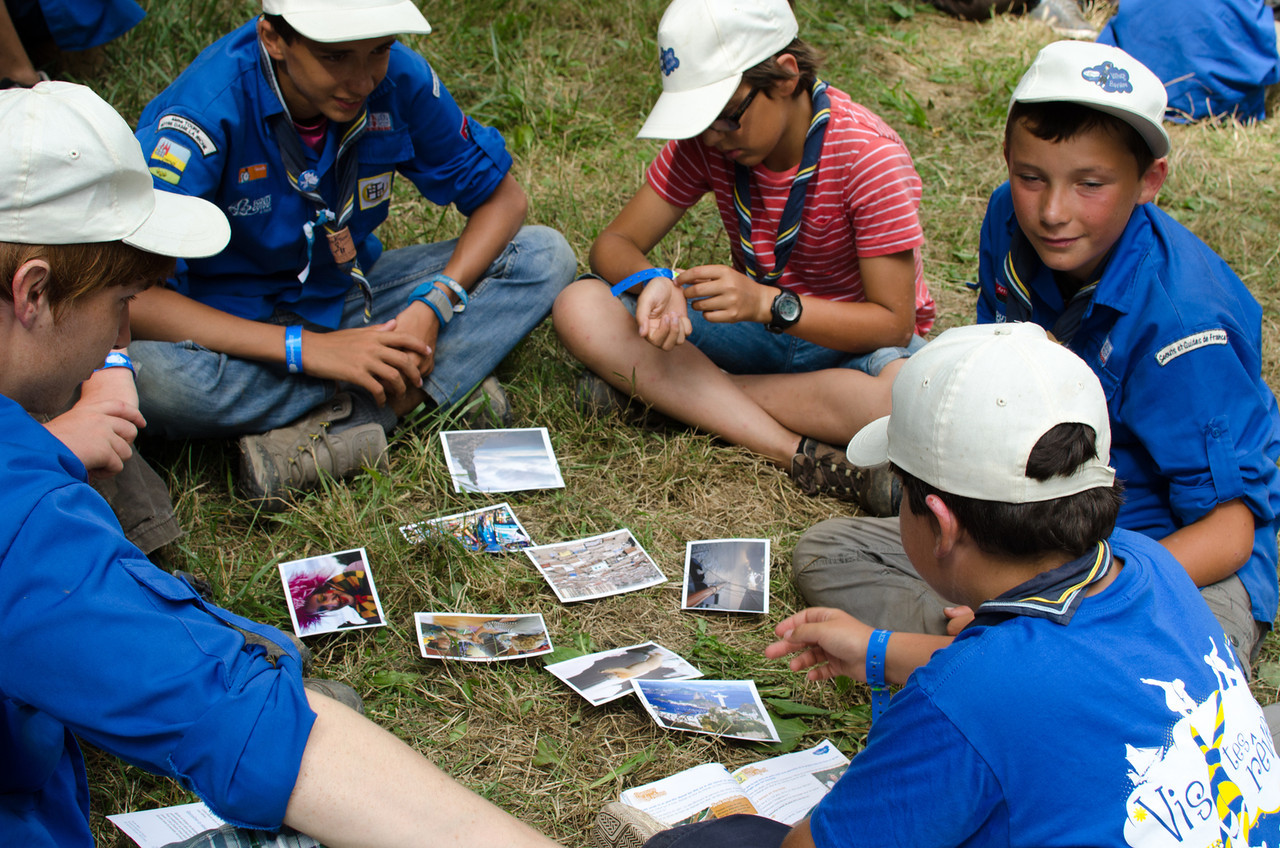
x=165, y=174
x=379, y=121
x=172, y=154
x=375, y=190
x=191, y=130
x=1170, y=352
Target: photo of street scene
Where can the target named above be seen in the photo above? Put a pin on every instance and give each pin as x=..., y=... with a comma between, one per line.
x=596, y=567
x=606, y=675
x=493, y=529
x=501, y=460
x=481, y=638
x=718, y=707
x=728, y=575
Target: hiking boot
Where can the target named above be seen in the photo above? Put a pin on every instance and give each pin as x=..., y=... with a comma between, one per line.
x=595, y=396
x=486, y=408
x=820, y=469
x=328, y=440
x=1065, y=18
x=620, y=826
x=340, y=692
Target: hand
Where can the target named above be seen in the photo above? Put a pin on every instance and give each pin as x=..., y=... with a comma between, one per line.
x=830, y=643
x=958, y=619
x=418, y=319
x=380, y=359
x=99, y=432
x=662, y=315
x=727, y=296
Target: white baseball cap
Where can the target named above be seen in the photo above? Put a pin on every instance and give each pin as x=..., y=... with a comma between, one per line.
x=704, y=46
x=1101, y=77
x=970, y=406
x=74, y=174
x=349, y=20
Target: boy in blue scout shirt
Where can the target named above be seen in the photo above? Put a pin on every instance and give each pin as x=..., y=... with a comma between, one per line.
x=1092, y=701
x=99, y=644
x=1074, y=243
x=296, y=124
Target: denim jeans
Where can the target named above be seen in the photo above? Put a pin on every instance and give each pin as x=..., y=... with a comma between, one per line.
x=188, y=391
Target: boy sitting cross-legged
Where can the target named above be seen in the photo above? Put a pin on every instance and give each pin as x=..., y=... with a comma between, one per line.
x=1074, y=242
x=1093, y=700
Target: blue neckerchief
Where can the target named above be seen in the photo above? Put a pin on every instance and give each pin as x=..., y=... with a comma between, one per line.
x=1055, y=594
x=789, y=225
x=1020, y=266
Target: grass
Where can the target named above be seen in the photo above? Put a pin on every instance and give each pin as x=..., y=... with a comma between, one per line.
x=568, y=84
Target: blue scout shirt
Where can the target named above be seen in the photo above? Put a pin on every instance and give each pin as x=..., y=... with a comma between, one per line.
x=208, y=135
x=81, y=24
x=1215, y=57
x=100, y=644
x=1011, y=735
x=1175, y=339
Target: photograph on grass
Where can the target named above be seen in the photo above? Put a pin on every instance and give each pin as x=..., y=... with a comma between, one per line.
x=331, y=592
x=481, y=638
x=728, y=575
x=501, y=460
x=729, y=708
x=596, y=567
x=492, y=529
x=606, y=675
x=168, y=825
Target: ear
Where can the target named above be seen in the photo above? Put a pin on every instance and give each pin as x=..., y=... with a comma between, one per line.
x=1151, y=181
x=30, y=291
x=787, y=87
x=947, y=530
x=271, y=40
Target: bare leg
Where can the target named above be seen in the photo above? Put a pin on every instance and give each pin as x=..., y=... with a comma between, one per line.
x=682, y=383
x=361, y=787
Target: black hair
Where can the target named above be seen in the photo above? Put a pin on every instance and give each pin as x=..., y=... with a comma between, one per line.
x=282, y=27
x=768, y=72
x=1072, y=524
x=1060, y=121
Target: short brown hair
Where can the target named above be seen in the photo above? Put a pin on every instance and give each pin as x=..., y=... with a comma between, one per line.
x=765, y=74
x=77, y=270
x=1072, y=524
x=1060, y=121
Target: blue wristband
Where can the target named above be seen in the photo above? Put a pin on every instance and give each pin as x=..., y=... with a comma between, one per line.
x=293, y=348
x=641, y=277
x=116, y=359
x=454, y=286
x=435, y=299
x=876, y=648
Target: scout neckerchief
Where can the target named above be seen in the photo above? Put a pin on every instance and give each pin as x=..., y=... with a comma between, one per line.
x=307, y=183
x=1055, y=594
x=1022, y=264
x=789, y=224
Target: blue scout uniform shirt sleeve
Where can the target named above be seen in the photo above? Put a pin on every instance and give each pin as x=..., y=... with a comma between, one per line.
x=208, y=134
x=81, y=24
x=125, y=656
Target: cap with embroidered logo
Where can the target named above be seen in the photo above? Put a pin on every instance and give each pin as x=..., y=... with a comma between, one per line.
x=969, y=407
x=328, y=21
x=704, y=46
x=75, y=174
x=1101, y=77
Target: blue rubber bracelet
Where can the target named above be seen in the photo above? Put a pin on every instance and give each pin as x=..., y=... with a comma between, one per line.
x=641, y=277
x=455, y=287
x=116, y=359
x=876, y=648
x=293, y=348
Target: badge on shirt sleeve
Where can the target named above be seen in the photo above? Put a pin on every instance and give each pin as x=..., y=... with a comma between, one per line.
x=1170, y=352
x=165, y=174
x=191, y=130
x=374, y=190
x=379, y=121
x=172, y=154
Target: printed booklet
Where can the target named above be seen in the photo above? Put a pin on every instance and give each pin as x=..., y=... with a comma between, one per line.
x=782, y=788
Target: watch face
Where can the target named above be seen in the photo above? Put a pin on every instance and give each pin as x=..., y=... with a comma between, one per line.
x=788, y=307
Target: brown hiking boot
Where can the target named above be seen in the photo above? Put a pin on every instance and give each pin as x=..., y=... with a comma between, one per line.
x=275, y=463
x=820, y=469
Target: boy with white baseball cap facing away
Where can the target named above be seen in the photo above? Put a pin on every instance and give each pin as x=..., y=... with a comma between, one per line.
x=792, y=344
x=1093, y=700
x=1074, y=242
x=304, y=338
x=99, y=644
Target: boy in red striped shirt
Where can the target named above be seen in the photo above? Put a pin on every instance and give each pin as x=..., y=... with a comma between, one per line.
x=792, y=347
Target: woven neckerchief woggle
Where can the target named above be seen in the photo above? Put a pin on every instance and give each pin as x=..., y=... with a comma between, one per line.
x=307, y=182
x=789, y=224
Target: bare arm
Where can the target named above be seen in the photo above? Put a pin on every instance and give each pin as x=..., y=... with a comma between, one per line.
x=388, y=796
x=619, y=251
x=100, y=428
x=1215, y=546
x=831, y=643
x=800, y=836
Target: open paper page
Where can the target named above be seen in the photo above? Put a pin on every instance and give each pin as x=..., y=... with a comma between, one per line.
x=157, y=828
x=702, y=792
x=786, y=788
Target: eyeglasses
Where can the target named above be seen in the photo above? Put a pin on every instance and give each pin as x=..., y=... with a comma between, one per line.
x=733, y=121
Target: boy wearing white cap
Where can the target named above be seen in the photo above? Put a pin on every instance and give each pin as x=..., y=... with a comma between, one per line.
x=99, y=644
x=304, y=337
x=1074, y=243
x=794, y=344
x=1093, y=700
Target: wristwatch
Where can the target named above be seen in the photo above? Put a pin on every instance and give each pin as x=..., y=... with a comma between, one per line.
x=786, y=310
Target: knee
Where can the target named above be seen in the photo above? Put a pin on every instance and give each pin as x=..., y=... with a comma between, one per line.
x=551, y=250
x=818, y=544
x=580, y=308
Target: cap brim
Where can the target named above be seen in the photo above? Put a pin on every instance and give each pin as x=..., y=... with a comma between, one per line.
x=328, y=26
x=870, y=445
x=183, y=227
x=684, y=114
